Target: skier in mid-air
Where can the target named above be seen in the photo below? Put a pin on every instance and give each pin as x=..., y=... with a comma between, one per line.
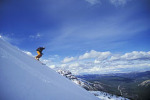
x=39, y=52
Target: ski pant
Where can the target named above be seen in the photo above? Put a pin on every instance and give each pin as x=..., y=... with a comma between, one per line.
x=39, y=54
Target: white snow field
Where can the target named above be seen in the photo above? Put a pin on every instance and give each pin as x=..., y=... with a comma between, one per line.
x=24, y=78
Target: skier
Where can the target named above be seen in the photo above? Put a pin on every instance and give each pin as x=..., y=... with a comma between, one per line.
x=39, y=52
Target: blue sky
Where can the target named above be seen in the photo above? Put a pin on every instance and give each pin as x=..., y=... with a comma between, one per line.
x=72, y=28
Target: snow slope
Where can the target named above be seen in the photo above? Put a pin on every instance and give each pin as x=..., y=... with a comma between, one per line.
x=24, y=78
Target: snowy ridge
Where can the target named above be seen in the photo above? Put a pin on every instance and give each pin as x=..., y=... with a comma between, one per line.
x=87, y=85
x=91, y=87
x=24, y=78
x=107, y=96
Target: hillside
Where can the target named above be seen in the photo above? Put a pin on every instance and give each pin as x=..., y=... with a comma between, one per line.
x=95, y=88
x=24, y=78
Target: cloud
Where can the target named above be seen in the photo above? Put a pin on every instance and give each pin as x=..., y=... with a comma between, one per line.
x=113, y=2
x=118, y=2
x=28, y=53
x=52, y=66
x=107, y=62
x=38, y=35
x=95, y=54
x=68, y=59
x=93, y=2
x=74, y=65
x=135, y=55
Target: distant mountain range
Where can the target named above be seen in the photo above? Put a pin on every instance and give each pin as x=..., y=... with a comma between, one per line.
x=135, y=86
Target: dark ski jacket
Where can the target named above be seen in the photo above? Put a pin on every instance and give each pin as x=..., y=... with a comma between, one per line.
x=40, y=49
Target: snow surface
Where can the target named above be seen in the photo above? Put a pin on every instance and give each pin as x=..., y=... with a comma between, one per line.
x=24, y=78
x=107, y=96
